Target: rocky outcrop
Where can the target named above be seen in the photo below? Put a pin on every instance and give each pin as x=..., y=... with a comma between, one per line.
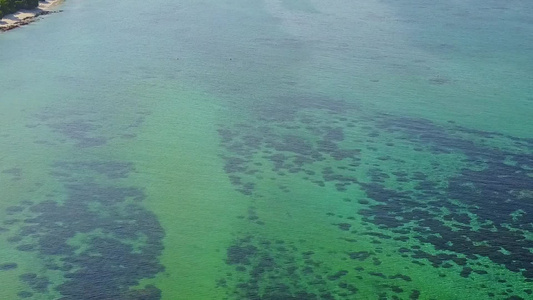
x=28, y=20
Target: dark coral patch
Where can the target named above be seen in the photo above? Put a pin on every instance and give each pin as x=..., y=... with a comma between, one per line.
x=240, y=254
x=121, y=239
x=8, y=266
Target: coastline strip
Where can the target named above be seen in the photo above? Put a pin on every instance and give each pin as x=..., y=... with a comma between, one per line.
x=27, y=16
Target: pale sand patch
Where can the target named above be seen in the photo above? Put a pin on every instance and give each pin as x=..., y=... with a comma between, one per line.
x=26, y=16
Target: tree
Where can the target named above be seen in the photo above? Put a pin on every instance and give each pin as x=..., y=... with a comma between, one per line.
x=11, y=6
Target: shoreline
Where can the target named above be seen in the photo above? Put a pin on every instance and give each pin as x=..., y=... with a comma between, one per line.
x=26, y=16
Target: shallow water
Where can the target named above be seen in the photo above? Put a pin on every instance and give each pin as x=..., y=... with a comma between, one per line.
x=268, y=150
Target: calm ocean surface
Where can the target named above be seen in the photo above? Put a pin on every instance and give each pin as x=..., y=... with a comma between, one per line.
x=268, y=149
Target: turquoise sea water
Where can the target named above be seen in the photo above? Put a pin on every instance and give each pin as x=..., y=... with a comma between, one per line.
x=268, y=149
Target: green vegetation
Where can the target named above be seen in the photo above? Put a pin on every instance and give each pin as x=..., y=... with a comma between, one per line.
x=11, y=6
